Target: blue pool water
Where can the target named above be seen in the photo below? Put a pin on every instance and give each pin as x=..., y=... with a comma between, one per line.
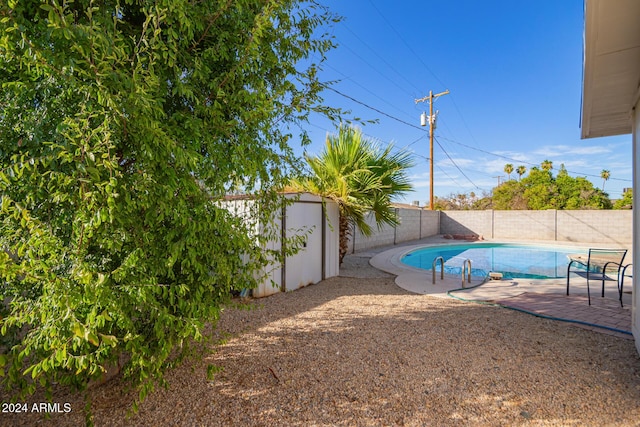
x=512, y=260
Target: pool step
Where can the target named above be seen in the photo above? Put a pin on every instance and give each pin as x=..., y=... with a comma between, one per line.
x=495, y=275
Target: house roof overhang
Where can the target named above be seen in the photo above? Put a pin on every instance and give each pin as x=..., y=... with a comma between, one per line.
x=611, y=67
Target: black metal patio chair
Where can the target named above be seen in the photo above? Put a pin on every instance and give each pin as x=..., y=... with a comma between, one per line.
x=624, y=274
x=600, y=264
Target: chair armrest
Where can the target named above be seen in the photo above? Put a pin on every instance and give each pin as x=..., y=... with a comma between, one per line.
x=576, y=261
x=606, y=265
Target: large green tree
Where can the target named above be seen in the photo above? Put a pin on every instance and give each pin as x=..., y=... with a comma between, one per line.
x=626, y=202
x=541, y=190
x=580, y=193
x=122, y=125
x=508, y=196
x=361, y=177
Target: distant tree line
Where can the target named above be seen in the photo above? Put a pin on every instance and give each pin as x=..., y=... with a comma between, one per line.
x=538, y=190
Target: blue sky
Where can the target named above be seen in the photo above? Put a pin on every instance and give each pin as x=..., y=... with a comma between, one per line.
x=514, y=72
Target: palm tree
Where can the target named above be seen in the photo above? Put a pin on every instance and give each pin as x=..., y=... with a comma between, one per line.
x=605, y=174
x=508, y=168
x=547, y=165
x=360, y=177
x=521, y=170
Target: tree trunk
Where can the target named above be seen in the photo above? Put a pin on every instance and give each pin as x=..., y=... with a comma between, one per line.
x=345, y=232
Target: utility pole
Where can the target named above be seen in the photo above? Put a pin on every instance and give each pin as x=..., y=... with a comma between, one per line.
x=432, y=125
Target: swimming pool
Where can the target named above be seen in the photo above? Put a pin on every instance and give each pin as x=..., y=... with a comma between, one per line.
x=512, y=260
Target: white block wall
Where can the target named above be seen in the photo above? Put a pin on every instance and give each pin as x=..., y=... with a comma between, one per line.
x=536, y=225
x=595, y=226
x=613, y=227
x=414, y=224
x=467, y=222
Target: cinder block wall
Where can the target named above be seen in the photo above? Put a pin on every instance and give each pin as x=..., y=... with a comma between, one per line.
x=596, y=226
x=538, y=225
x=409, y=228
x=381, y=237
x=612, y=227
x=430, y=223
x=414, y=224
x=601, y=226
x=466, y=222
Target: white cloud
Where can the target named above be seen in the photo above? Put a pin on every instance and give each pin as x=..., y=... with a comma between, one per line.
x=554, y=151
x=420, y=184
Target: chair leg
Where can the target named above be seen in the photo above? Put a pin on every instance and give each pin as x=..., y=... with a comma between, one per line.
x=588, y=292
x=621, y=304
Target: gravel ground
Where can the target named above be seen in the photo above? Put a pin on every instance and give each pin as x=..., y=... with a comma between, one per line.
x=359, y=351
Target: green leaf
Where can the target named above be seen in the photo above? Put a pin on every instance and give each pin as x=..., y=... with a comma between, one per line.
x=78, y=330
x=212, y=370
x=110, y=340
x=61, y=354
x=93, y=339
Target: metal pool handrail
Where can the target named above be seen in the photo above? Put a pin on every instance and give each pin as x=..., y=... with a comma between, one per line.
x=464, y=265
x=433, y=268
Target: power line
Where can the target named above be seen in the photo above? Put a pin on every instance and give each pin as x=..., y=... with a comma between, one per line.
x=451, y=178
x=362, y=87
x=404, y=123
x=390, y=66
x=399, y=35
x=375, y=138
x=524, y=161
x=354, y=53
x=418, y=57
x=417, y=140
x=457, y=167
x=406, y=44
x=437, y=139
x=464, y=122
x=380, y=57
x=374, y=108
